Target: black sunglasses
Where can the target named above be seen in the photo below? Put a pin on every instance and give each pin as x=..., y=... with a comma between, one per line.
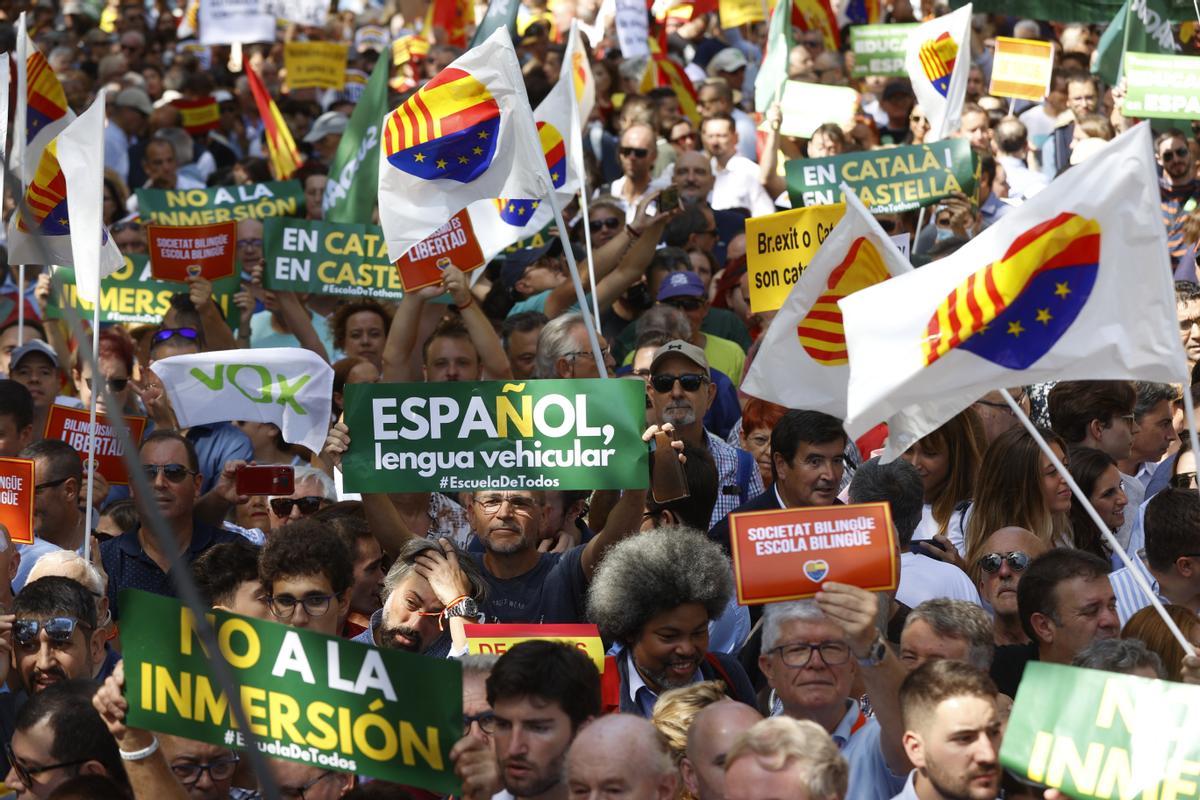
x=1170, y=155
x=124, y=226
x=282, y=506
x=1017, y=561
x=114, y=384
x=684, y=137
x=690, y=381
x=58, y=630
x=167, y=333
x=686, y=303
x=597, y=225
x=637, y=152
x=175, y=473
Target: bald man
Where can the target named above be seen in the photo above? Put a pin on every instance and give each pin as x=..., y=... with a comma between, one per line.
x=693, y=176
x=998, y=570
x=620, y=754
x=713, y=732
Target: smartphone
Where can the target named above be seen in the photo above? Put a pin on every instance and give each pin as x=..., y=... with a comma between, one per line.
x=668, y=200
x=272, y=480
x=668, y=480
x=914, y=547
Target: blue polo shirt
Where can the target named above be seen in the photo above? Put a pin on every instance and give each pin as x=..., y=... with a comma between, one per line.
x=129, y=567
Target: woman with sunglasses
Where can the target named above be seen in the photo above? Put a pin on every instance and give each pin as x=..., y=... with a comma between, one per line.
x=948, y=461
x=1018, y=486
x=1098, y=477
x=115, y=367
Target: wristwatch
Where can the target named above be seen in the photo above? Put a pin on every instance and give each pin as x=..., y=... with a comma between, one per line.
x=875, y=654
x=467, y=607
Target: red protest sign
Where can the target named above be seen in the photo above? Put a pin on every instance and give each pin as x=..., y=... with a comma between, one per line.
x=71, y=425
x=206, y=251
x=453, y=243
x=17, y=488
x=787, y=554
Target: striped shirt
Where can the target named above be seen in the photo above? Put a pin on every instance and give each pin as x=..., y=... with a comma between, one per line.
x=1176, y=203
x=725, y=456
x=1130, y=598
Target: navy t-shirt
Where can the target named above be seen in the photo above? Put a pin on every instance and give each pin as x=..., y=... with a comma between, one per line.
x=555, y=590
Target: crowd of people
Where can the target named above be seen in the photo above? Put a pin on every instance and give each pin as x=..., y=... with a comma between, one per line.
x=849, y=694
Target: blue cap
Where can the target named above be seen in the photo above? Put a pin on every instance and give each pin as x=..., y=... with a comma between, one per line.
x=681, y=284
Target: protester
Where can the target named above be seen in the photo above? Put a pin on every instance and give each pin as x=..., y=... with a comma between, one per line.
x=942, y=628
x=620, y=753
x=713, y=732
x=996, y=565
x=782, y=757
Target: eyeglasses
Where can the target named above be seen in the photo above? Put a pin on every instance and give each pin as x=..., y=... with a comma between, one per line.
x=124, y=226
x=284, y=605
x=486, y=720
x=114, y=384
x=282, y=506
x=604, y=351
x=189, y=772
x=1170, y=155
x=686, y=303
x=59, y=630
x=664, y=382
x=297, y=793
x=519, y=505
x=1183, y=480
x=1017, y=561
x=174, y=473
x=690, y=136
x=250, y=243
x=50, y=484
x=798, y=655
x=185, y=333
x=597, y=225
x=636, y=152
x=26, y=773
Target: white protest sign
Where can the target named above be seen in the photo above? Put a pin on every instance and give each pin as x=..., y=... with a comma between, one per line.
x=808, y=106
x=235, y=21
x=633, y=28
x=287, y=386
x=304, y=12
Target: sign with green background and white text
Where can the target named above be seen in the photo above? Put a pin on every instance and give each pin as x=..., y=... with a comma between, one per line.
x=537, y=434
x=308, y=697
x=1103, y=734
x=337, y=258
x=1162, y=87
x=183, y=207
x=879, y=49
x=132, y=296
x=887, y=181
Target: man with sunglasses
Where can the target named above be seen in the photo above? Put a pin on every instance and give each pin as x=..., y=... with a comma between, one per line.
x=1178, y=185
x=130, y=237
x=307, y=571
x=685, y=291
x=55, y=635
x=313, y=490
x=680, y=392
x=135, y=558
x=1006, y=554
x=204, y=770
x=637, y=152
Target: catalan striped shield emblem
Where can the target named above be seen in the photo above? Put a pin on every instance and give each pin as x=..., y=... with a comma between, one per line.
x=937, y=61
x=821, y=333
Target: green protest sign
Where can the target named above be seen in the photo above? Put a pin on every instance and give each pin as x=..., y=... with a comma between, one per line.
x=131, y=295
x=887, y=181
x=308, y=697
x=543, y=434
x=183, y=207
x=1103, y=734
x=879, y=49
x=1162, y=87
x=320, y=257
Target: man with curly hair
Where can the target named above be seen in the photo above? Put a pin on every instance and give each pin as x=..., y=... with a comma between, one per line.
x=307, y=571
x=654, y=595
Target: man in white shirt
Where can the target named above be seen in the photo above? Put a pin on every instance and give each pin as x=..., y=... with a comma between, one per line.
x=736, y=178
x=1012, y=146
x=714, y=97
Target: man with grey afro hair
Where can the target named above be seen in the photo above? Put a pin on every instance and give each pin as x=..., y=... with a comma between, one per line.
x=655, y=595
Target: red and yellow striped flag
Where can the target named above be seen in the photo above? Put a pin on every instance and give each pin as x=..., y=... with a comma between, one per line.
x=285, y=158
x=452, y=16
x=662, y=71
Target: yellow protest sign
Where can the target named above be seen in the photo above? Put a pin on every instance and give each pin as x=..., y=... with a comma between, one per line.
x=497, y=639
x=320, y=65
x=735, y=13
x=1021, y=68
x=779, y=247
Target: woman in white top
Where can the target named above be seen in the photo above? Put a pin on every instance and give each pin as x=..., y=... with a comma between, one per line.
x=948, y=460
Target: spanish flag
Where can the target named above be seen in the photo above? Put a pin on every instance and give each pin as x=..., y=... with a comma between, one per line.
x=285, y=158
x=452, y=16
x=662, y=71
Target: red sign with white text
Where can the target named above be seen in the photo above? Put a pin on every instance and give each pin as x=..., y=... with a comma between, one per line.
x=71, y=425
x=195, y=251
x=17, y=488
x=787, y=554
x=453, y=243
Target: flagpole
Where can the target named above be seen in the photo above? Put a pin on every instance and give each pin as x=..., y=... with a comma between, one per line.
x=20, y=306
x=1111, y=540
x=593, y=339
x=577, y=146
x=91, y=441
x=587, y=240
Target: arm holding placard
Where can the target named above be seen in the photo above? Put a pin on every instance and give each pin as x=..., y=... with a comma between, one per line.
x=56, y=331
x=857, y=612
x=483, y=334
x=402, y=336
x=150, y=775
x=295, y=317
x=768, y=163
x=217, y=335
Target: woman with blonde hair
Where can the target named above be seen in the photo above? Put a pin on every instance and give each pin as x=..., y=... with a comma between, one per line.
x=1148, y=626
x=673, y=715
x=1019, y=487
x=948, y=460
